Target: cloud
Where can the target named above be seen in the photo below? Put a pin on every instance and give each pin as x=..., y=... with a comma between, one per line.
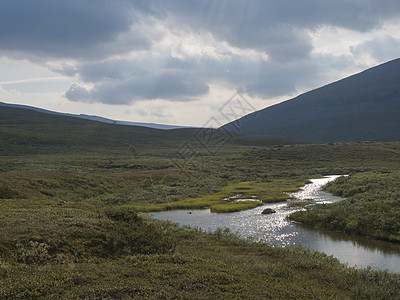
x=275, y=26
x=124, y=81
x=100, y=28
x=78, y=93
x=381, y=48
x=9, y=94
x=70, y=29
x=123, y=51
x=174, y=85
x=118, y=81
x=245, y=18
x=32, y=80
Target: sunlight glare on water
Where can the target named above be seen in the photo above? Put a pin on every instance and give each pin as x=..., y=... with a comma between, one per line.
x=277, y=229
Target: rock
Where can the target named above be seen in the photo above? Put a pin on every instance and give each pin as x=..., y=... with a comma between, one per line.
x=268, y=211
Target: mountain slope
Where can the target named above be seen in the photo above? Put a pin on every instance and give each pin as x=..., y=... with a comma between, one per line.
x=26, y=127
x=365, y=106
x=27, y=131
x=94, y=118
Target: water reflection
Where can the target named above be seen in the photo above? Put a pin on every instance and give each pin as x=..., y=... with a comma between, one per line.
x=277, y=229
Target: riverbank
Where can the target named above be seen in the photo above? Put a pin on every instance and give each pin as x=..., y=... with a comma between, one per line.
x=276, y=229
x=371, y=208
x=214, y=265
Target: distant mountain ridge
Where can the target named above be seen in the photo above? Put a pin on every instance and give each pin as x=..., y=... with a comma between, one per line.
x=28, y=131
x=95, y=118
x=362, y=107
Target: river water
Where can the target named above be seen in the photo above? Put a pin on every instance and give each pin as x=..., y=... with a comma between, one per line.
x=277, y=229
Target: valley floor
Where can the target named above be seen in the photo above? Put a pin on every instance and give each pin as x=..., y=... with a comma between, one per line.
x=70, y=226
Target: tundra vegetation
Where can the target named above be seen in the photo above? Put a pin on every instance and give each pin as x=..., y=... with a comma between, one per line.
x=371, y=206
x=74, y=220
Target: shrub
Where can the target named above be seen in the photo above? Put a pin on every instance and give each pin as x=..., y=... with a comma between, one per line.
x=7, y=193
x=33, y=253
x=131, y=234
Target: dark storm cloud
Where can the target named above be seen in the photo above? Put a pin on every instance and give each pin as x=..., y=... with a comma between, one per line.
x=92, y=33
x=277, y=27
x=232, y=18
x=71, y=29
x=90, y=29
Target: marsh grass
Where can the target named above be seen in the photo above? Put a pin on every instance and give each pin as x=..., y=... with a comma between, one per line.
x=298, y=204
x=234, y=206
x=225, y=200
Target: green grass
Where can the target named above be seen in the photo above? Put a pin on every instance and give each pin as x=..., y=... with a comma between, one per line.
x=224, y=200
x=298, y=204
x=234, y=206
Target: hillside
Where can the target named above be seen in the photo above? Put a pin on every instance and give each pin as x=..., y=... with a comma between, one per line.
x=28, y=131
x=93, y=118
x=362, y=107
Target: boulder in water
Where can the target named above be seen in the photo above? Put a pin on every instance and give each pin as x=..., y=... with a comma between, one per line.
x=268, y=211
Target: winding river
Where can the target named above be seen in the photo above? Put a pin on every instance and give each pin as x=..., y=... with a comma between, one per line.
x=276, y=229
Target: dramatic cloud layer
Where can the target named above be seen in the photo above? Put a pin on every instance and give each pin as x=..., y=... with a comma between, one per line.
x=71, y=29
x=124, y=52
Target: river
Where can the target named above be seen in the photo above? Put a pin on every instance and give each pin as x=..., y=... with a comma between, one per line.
x=277, y=229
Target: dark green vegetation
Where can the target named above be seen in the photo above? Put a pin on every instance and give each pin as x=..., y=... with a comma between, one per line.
x=23, y=131
x=371, y=208
x=71, y=224
x=91, y=117
x=362, y=107
x=217, y=265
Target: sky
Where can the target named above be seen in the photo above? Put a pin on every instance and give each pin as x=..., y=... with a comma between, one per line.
x=178, y=61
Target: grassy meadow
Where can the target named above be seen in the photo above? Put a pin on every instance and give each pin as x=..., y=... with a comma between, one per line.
x=72, y=223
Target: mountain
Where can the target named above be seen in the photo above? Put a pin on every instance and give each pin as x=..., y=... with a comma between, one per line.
x=27, y=131
x=95, y=118
x=362, y=107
